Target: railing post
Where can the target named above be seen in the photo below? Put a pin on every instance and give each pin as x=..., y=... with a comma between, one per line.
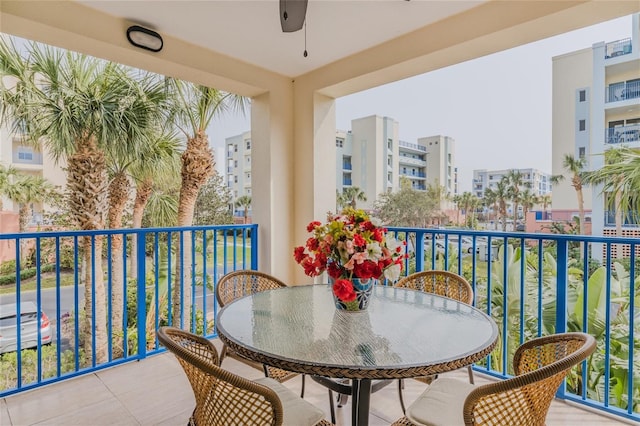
x=141, y=294
x=254, y=247
x=561, y=297
x=561, y=287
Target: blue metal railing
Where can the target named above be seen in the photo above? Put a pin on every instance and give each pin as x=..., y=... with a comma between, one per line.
x=531, y=284
x=540, y=284
x=105, y=293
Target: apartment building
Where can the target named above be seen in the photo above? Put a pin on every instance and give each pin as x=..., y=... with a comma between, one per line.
x=596, y=107
x=370, y=156
x=238, y=168
x=28, y=160
x=539, y=182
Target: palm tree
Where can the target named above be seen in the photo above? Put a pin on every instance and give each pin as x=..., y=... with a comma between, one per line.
x=575, y=166
x=515, y=180
x=6, y=178
x=502, y=195
x=75, y=105
x=195, y=106
x=244, y=202
x=350, y=196
x=457, y=200
x=527, y=199
x=468, y=201
x=616, y=177
x=159, y=170
x=545, y=200
x=28, y=189
x=491, y=200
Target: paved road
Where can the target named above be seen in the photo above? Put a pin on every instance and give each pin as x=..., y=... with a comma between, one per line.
x=49, y=300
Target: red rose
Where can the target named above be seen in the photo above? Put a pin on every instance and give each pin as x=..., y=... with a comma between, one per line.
x=343, y=289
x=313, y=225
x=358, y=241
x=334, y=270
x=298, y=254
x=366, y=270
x=313, y=244
x=378, y=235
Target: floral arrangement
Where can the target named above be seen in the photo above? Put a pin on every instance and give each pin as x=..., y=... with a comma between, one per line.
x=350, y=245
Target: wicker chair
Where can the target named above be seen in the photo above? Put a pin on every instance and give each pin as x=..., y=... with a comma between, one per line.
x=235, y=285
x=223, y=398
x=442, y=283
x=540, y=366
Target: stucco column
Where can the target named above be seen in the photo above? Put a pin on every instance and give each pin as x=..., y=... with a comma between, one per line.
x=314, y=165
x=272, y=175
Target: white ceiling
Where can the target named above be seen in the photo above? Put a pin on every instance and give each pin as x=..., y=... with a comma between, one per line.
x=249, y=30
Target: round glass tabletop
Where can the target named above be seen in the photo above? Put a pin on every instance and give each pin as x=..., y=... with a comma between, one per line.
x=403, y=333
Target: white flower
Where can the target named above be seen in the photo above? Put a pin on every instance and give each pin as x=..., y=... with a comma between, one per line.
x=392, y=243
x=392, y=273
x=375, y=251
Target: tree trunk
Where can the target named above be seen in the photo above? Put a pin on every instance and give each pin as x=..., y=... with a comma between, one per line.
x=87, y=187
x=118, y=195
x=581, y=209
x=143, y=193
x=197, y=167
x=618, y=201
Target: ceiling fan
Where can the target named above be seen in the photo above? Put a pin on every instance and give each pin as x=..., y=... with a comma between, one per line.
x=292, y=14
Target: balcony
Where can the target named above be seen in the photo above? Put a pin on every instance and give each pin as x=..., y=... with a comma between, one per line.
x=622, y=91
x=346, y=166
x=138, y=394
x=530, y=284
x=413, y=146
x=622, y=134
x=617, y=48
x=411, y=160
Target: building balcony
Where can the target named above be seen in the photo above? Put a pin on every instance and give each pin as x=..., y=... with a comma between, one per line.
x=414, y=175
x=413, y=146
x=346, y=182
x=502, y=268
x=623, y=91
x=410, y=161
x=622, y=134
x=346, y=166
x=617, y=48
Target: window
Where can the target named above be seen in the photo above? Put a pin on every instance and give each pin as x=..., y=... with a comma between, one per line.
x=390, y=143
x=248, y=160
x=583, y=95
x=235, y=163
x=581, y=152
x=235, y=179
x=339, y=143
x=25, y=156
x=248, y=191
x=248, y=144
x=235, y=148
x=248, y=175
x=582, y=125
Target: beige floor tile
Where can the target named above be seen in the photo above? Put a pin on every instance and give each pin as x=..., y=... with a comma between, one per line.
x=103, y=413
x=5, y=420
x=155, y=391
x=50, y=401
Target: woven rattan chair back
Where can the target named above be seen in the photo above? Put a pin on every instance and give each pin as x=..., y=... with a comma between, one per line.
x=237, y=284
x=222, y=398
x=442, y=283
x=540, y=366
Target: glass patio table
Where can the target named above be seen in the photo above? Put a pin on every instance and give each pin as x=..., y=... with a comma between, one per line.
x=404, y=333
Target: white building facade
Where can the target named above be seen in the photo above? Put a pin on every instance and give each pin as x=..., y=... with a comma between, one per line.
x=539, y=182
x=596, y=107
x=370, y=156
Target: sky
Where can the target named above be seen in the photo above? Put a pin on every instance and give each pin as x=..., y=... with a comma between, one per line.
x=497, y=108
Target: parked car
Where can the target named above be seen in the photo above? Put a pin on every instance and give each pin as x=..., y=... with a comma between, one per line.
x=29, y=324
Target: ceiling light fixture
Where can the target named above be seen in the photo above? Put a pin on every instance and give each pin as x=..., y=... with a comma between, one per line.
x=144, y=38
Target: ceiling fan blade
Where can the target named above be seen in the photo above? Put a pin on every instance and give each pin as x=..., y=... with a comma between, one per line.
x=295, y=12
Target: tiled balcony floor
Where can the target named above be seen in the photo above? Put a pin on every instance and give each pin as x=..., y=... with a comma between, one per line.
x=156, y=392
